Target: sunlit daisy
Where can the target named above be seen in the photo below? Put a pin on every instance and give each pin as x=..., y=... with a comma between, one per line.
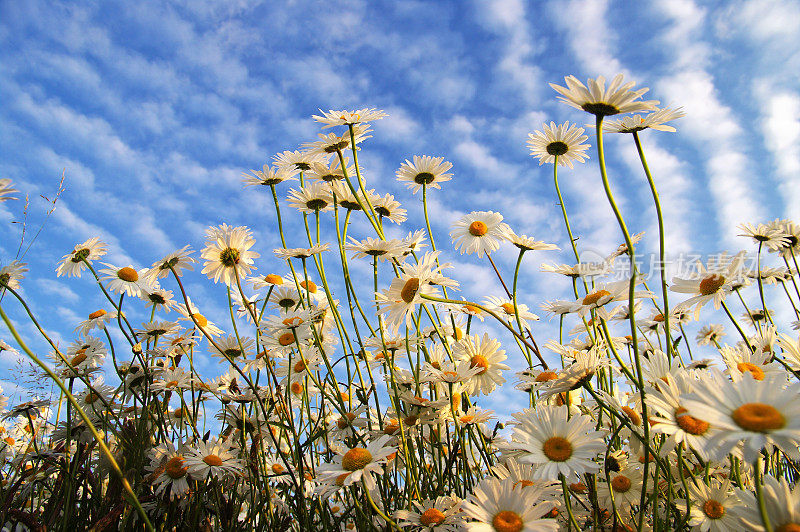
x=227, y=253
x=715, y=507
x=359, y=463
x=300, y=253
x=558, y=143
x=486, y=354
x=712, y=282
x=424, y=170
x=333, y=118
x=72, y=263
x=599, y=101
x=499, y=506
x=710, y=334
x=298, y=160
x=270, y=176
x=656, y=120
x=212, y=458
x=759, y=413
x=387, y=207
x=177, y=260
x=479, y=232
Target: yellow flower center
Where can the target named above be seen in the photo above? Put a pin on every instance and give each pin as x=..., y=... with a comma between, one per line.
x=755, y=371
x=175, y=468
x=758, y=417
x=594, y=297
x=292, y=322
x=478, y=228
x=91, y=397
x=341, y=478
x=277, y=469
x=96, y=314
x=479, y=361
x=200, y=319
x=286, y=339
x=9, y=440
x=128, y=274
x=171, y=384
x=788, y=527
x=467, y=419
x=632, y=415
x=344, y=421
x=309, y=285
x=296, y=388
x=508, y=308
x=472, y=309
x=273, y=279
x=557, y=449
x=410, y=290
x=690, y=424
x=658, y=317
x=356, y=458
x=713, y=509
x=621, y=483
x=546, y=376
x=578, y=487
x=391, y=427
x=213, y=460
x=711, y=284
x=431, y=517
x=508, y=521
x=77, y=359
x=299, y=366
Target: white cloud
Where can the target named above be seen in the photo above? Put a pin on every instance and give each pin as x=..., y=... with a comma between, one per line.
x=781, y=128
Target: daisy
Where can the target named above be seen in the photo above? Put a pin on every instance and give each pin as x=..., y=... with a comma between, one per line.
x=192, y=313
x=298, y=160
x=375, y=247
x=560, y=446
x=479, y=232
x=170, y=471
x=578, y=373
x=270, y=176
x=440, y=514
x=359, y=463
x=157, y=298
x=82, y=356
x=301, y=253
x=782, y=503
x=792, y=232
x=400, y=300
x=497, y=505
x=656, y=120
x=11, y=274
x=331, y=172
x=333, y=118
x=604, y=293
x=72, y=263
x=758, y=413
x=124, y=280
x=715, y=507
x=741, y=360
x=483, y=353
x=769, y=235
x=558, y=143
x=625, y=486
x=314, y=197
x=332, y=143
x=505, y=308
x=227, y=253
x=212, y=458
x=710, y=334
x=712, y=282
x=674, y=419
x=584, y=269
x=6, y=188
x=426, y=170
x=527, y=243
x=232, y=348
x=599, y=101
x=415, y=241
x=387, y=207
x=96, y=320
x=177, y=260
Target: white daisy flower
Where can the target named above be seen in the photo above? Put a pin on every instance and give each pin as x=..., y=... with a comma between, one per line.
x=559, y=143
x=227, y=253
x=425, y=170
x=559, y=445
x=483, y=353
x=499, y=506
x=72, y=263
x=479, y=232
x=599, y=101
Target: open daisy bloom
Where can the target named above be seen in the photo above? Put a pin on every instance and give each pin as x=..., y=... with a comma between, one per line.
x=359, y=463
x=500, y=506
x=562, y=144
x=227, y=254
x=713, y=282
x=598, y=100
x=479, y=232
x=425, y=170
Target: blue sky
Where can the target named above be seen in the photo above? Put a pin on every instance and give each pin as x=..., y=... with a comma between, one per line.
x=154, y=109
